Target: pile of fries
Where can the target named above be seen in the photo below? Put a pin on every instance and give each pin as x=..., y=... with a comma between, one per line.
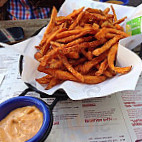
x=80, y=47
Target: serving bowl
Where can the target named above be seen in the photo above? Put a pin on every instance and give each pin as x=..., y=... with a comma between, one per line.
x=22, y=101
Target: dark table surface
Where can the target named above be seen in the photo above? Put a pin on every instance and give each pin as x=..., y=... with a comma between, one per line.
x=134, y=2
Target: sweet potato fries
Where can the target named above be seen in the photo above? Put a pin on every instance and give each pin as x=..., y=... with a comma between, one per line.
x=80, y=47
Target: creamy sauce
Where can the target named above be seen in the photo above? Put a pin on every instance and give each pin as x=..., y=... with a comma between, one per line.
x=21, y=124
x=115, y=2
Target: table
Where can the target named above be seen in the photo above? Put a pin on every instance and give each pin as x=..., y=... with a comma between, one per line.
x=29, y=26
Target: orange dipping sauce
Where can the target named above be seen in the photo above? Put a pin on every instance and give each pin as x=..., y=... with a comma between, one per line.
x=21, y=124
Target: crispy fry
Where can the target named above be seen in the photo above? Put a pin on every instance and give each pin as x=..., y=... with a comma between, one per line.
x=114, y=13
x=77, y=62
x=111, y=59
x=109, y=16
x=75, y=12
x=93, y=79
x=47, y=45
x=52, y=83
x=50, y=55
x=50, y=25
x=73, y=55
x=88, y=54
x=85, y=68
x=107, y=73
x=120, y=20
x=95, y=16
x=79, y=40
x=106, y=11
x=44, y=80
x=102, y=68
x=54, y=43
x=107, y=45
x=38, y=47
x=78, y=47
x=96, y=26
x=91, y=10
x=115, y=31
x=73, y=25
x=73, y=37
x=37, y=55
x=67, y=33
x=118, y=27
x=107, y=24
x=59, y=74
x=109, y=35
x=63, y=19
x=70, y=68
x=55, y=64
x=101, y=34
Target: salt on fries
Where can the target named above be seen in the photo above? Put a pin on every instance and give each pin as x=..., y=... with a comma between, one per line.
x=80, y=47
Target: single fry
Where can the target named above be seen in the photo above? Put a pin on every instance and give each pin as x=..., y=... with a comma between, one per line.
x=111, y=59
x=50, y=25
x=86, y=67
x=73, y=55
x=118, y=27
x=115, y=31
x=38, y=55
x=107, y=45
x=47, y=44
x=75, y=12
x=79, y=40
x=106, y=11
x=57, y=44
x=67, y=33
x=95, y=16
x=106, y=73
x=44, y=80
x=56, y=64
x=110, y=35
x=93, y=79
x=70, y=68
x=61, y=75
x=96, y=26
x=52, y=83
x=91, y=10
x=77, y=62
x=120, y=20
x=102, y=68
x=62, y=19
x=101, y=34
x=114, y=13
x=73, y=25
x=88, y=54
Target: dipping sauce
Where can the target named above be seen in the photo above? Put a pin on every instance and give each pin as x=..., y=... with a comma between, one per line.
x=21, y=124
x=115, y=2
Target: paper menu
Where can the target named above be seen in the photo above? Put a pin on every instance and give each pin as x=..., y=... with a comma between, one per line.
x=115, y=118
x=71, y=88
